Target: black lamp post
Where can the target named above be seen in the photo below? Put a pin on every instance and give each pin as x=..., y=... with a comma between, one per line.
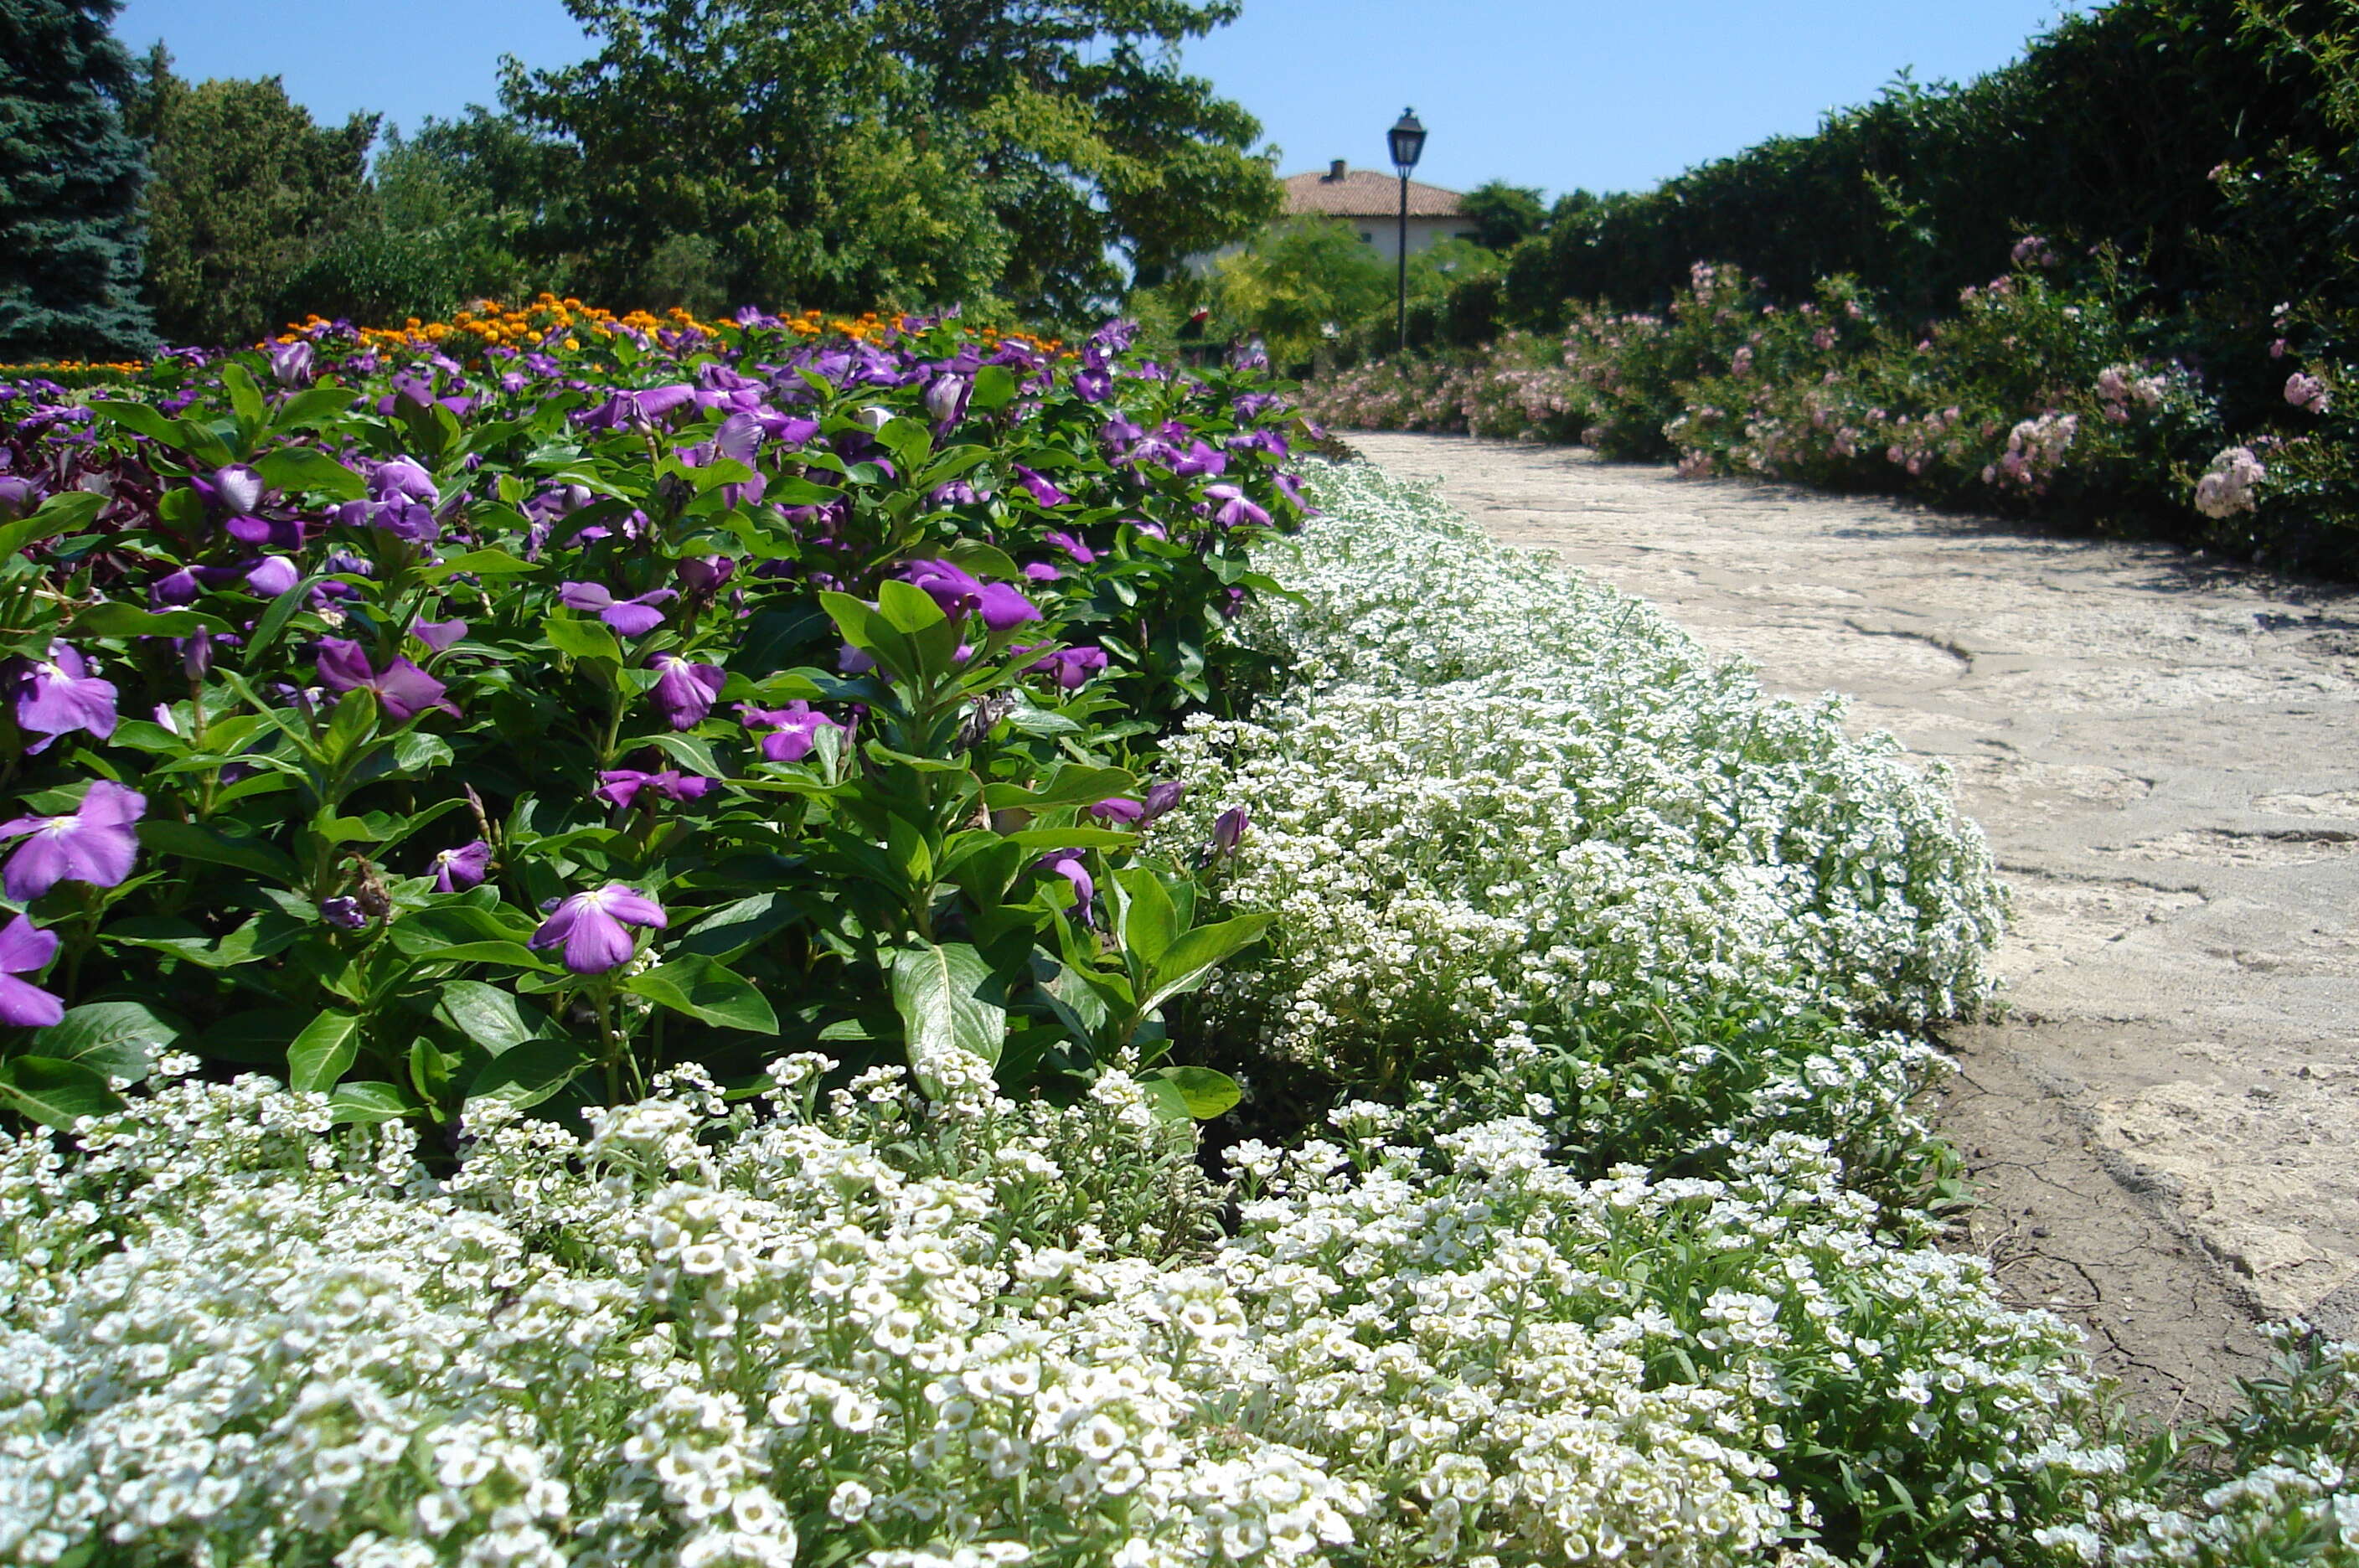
x=1407, y=139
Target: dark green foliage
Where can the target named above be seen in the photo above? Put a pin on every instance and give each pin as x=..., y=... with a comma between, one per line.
x=1504, y=215
x=248, y=194
x=70, y=180
x=899, y=154
x=453, y=215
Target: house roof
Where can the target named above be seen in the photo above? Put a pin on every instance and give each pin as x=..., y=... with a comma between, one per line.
x=1341, y=191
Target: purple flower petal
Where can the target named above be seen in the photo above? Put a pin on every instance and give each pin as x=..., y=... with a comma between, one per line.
x=456, y=870
x=94, y=842
x=439, y=635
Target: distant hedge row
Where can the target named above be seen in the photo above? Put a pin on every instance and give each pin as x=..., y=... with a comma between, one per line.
x=2208, y=141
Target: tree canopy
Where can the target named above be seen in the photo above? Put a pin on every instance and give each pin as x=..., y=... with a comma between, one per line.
x=248, y=192
x=904, y=151
x=69, y=183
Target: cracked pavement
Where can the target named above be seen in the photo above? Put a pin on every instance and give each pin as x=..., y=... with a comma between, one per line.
x=2160, y=747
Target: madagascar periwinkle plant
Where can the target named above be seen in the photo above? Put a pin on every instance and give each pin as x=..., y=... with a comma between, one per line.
x=424, y=729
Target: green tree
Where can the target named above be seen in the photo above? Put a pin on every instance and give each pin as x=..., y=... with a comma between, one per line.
x=896, y=152
x=451, y=216
x=1301, y=283
x=69, y=182
x=248, y=192
x=1504, y=215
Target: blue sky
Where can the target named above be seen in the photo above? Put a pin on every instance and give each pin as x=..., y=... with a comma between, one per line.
x=1557, y=93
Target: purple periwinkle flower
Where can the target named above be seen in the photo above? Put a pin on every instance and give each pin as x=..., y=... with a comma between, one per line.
x=173, y=588
x=94, y=842
x=272, y=575
x=292, y=363
x=26, y=949
x=1116, y=811
x=196, y=652
x=1092, y=384
x=950, y=587
x=402, y=689
x=1161, y=798
x=590, y=926
x=1072, y=545
x=239, y=487
x=702, y=575
x=1069, y=864
x=1229, y=831
x=18, y=496
x=683, y=692
x=1003, y=608
x=631, y=617
x=456, y=870
x=1040, y=572
x=1072, y=667
x=439, y=635
x=788, y=733
x=623, y=785
x=344, y=913
x=1043, y=489
x=59, y=695
x=946, y=397
x=1234, y=506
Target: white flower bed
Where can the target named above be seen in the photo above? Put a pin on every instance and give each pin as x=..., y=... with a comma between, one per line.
x=1493, y=793
x=889, y=1336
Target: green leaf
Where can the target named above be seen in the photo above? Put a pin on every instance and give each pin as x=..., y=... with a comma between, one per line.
x=64, y=513
x=945, y=995
x=730, y=930
x=1073, y=838
x=1197, y=1092
x=324, y=1052
x=480, y=563
x=244, y=398
x=1150, y=922
x=116, y=619
x=906, y=608
x=422, y=933
x=307, y=468
x=274, y=619
x=1190, y=959
x=582, y=639
x=983, y=559
x=1073, y=786
x=192, y=840
x=307, y=408
x=695, y=985
x=496, y=1019
x=994, y=389
x=120, y=1039
x=139, y=418
x=55, y=1094
x=530, y=1073
x=366, y=1103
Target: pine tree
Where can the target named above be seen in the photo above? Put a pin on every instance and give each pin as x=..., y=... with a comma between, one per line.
x=69, y=184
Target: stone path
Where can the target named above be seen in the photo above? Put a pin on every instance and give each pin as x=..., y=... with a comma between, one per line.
x=2162, y=749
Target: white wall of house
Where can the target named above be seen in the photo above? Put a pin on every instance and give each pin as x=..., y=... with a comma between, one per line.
x=1380, y=235
x=1383, y=234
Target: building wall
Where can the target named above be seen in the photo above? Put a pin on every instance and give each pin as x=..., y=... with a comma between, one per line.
x=1381, y=235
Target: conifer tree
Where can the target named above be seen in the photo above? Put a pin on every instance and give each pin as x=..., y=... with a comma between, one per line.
x=69, y=183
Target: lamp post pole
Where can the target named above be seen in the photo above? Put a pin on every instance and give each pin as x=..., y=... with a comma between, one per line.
x=1400, y=310
x=1408, y=142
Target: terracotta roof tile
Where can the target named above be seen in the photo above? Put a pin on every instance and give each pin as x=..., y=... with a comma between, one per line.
x=1343, y=193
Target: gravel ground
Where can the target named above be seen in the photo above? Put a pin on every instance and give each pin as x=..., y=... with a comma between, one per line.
x=2161, y=748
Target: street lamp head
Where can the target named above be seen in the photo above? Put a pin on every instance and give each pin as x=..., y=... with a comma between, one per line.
x=1407, y=139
